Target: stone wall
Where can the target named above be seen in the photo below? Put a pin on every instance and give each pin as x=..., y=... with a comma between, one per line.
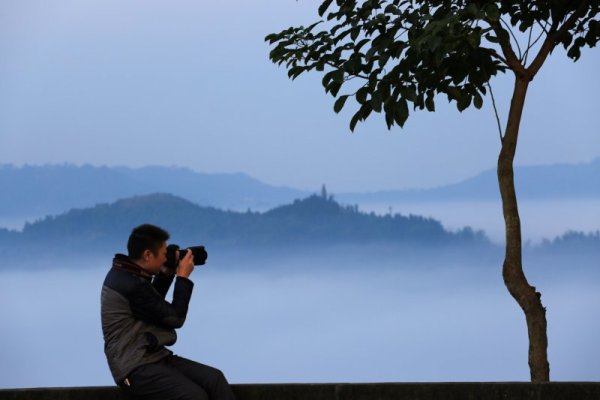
x=344, y=391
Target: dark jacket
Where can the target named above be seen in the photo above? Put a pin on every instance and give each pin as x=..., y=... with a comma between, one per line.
x=137, y=321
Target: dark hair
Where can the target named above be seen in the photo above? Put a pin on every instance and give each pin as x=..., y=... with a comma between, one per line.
x=145, y=237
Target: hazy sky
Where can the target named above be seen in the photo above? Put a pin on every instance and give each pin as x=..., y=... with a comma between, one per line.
x=189, y=83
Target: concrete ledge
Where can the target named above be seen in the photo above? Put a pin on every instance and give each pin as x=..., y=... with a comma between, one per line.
x=351, y=391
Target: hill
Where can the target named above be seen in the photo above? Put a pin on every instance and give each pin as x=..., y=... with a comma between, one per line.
x=314, y=221
x=305, y=226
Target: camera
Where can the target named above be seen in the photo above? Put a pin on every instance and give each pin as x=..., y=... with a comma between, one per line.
x=199, y=253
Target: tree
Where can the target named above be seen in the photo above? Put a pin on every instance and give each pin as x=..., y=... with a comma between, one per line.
x=390, y=55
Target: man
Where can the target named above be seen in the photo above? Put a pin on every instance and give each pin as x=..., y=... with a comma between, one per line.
x=137, y=323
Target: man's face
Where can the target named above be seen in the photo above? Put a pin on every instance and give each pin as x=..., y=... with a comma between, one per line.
x=152, y=261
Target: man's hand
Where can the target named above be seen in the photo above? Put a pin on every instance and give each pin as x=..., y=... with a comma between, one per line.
x=186, y=265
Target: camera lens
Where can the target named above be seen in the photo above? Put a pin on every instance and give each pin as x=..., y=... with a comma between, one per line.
x=199, y=252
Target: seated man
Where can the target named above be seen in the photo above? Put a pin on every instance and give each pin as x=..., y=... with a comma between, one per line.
x=137, y=323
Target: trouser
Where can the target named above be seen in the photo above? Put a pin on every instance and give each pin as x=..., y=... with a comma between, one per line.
x=177, y=378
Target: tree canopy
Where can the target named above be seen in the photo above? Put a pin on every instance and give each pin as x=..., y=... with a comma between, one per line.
x=406, y=52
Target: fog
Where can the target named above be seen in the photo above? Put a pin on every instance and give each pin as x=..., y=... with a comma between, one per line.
x=312, y=318
x=540, y=219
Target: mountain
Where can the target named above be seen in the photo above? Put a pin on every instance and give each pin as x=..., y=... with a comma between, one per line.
x=313, y=221
x=559, y=181
x=36, y=191
x=32, y=192
x=312, y=225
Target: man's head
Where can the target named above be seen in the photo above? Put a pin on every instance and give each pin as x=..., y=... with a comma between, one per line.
x=147, y=247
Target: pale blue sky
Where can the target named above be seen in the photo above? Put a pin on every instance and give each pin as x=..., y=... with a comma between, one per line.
x=189, y=83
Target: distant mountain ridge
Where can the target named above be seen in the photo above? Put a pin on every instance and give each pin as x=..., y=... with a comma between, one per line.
x=557, y=181
x=36, y=191
x=51, y=189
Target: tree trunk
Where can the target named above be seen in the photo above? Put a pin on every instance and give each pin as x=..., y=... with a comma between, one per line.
x=514, y=278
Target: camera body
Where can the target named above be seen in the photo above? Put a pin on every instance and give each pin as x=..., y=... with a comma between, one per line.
x=199, y=253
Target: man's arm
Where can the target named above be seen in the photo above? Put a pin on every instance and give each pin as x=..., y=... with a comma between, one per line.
x=149, y=304
x=162, y=281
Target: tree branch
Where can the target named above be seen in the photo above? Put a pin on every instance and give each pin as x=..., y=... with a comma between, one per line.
x=511, y=59
x=514, y=38
x=543, y=26
x=555, y=36
x=528, y=46
x=495, y=112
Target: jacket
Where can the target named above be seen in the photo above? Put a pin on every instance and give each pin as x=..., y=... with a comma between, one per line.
x=137, y=321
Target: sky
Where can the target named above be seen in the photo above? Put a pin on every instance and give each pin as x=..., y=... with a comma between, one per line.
x=188, y=83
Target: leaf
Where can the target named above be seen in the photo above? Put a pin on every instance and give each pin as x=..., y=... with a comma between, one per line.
x=474, y=40
x=310, y=27
x=339, y=103
x=567, y=40
x=327, y=78
x=401, y=112
x=593, y=34
x=361, y=44
x=334, y=88
x=472, y=10
x=376, y=101
x=389, y=118
x=477, y=101
x=383, y=59
x=524, y=25
x=491, y=38
x=492, y=12
x=324, y=6
x=453, y=93
x=430, y=104
x=354, y=33
x=392, y=9
x=575, y=50
x=354, y=120
x=361, y=94
x=338, y=76
x=463, y=102
x=574, y=53
x=591, y=38
x=594, y=26
x=365, y=111
x=271, y=38
x=409, y=93
x=295, y=71
x=385, y=90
